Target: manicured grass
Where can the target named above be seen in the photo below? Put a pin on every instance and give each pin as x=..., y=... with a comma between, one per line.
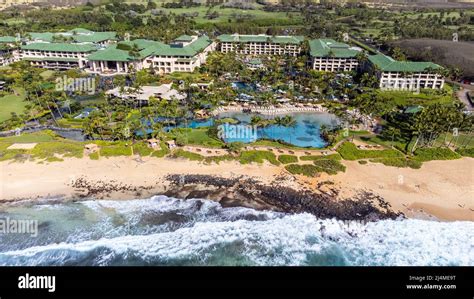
x=397, y=143
x=258, y=157
x=316, y=158
x=197, y=137
x=462, y=140
x=349, y=151
x=36, y=137
x=429, y=154
x=228, y=13
x=286, y=159
x=12, y=103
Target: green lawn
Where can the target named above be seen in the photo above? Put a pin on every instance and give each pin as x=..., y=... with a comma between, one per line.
x=197, y=137
x=228, y=13
x=12, y=103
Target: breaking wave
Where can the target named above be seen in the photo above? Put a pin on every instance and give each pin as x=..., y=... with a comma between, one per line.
x=170, y=231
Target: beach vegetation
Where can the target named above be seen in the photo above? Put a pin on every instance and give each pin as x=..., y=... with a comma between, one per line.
x=329, y=166
x=50, y=149
x=429, y=154
x=115, y=149
x=142, y=149
x=287, y=159
x=466, y=152
x=349, y=151
x=305, y=169
x=94, y=156
x=397, y=162
x=180, y=153
x=335, y=156
x=256, y=156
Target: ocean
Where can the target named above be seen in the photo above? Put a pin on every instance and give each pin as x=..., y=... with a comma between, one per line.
x=170, y=232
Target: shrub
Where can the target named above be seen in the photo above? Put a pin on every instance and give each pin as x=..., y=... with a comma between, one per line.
x=94, y=156
x=362, y=162
x=467, y=152
x=428, y=154
x=329, y=166
x=142, y=149
x=218, y=159
x=316, y=158
x=115, y=150
x=45, y=150
x=187, y=155
x=349, y=151
x=258, y=157
x=398, y=162
x=306, y=169
x=286, y=159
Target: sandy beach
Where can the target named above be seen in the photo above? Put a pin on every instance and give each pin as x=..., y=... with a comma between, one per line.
x=440, y=189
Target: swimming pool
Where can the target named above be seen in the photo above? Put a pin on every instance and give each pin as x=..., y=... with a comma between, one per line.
x=305, y=132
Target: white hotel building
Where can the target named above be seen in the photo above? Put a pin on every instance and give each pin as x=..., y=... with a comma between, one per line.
x=405, y=75
x=331, y=56
x=260, y=44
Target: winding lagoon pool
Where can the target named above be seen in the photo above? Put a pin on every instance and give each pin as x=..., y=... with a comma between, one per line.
x=305, y=132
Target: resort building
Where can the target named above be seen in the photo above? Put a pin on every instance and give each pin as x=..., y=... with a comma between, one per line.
x=183, y=55
x=405, y=75
x=260, y=44
x=78, y=35
x=331, y=56
x=162, y=92
x=57, y=55
x=8, y=50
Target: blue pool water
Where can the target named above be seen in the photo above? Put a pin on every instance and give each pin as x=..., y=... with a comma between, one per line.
x=305, y=133
x=242, y=86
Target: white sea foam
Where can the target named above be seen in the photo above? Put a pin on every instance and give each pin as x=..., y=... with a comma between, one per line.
x=281, y=240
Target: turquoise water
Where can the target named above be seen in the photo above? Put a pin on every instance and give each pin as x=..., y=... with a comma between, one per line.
x=305, y=133
x=169, y=231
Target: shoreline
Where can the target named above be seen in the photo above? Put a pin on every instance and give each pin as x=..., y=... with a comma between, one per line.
x=440, y=190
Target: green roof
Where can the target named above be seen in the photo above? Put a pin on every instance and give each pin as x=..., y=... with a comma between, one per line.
x=60, y=47
x=7, y=39
x=51, y=59
x=189, y=50
x=255, y=61
x=149, y=48
x=388, y=64
x=42, y=36
x=111, y=53
x=237, y=38
x=324, y=47
x=413, y=109
x=184, y=38
x=78, y=35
